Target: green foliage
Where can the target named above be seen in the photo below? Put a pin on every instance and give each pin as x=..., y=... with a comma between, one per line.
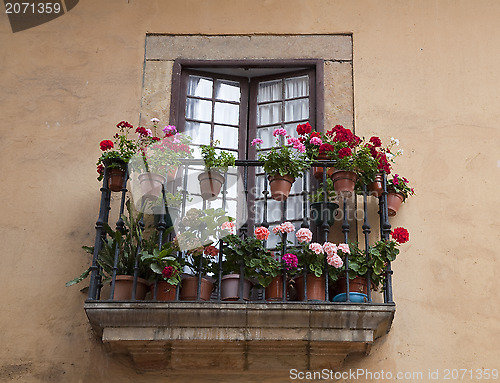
x=330, y=192
x=400, y=185
x=258, y=262
x=284, y=160
x=214, y=161
x=159, y=260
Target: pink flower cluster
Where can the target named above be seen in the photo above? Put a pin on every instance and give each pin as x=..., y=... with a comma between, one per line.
x=316, y=248
x=291, y=261
x=316, y=141
x=279, y=132
x=285, y=227
x=296, y=144
x=304, y=235
x=333, y=258
x=257, y=141
x=169, y=130
x=261, y=233
x=229, y=226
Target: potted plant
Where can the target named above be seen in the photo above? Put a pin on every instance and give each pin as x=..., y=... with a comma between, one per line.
x=384, y=159
x=161, y=158
x=198, y=231
x=359, y=266
x=283, y=163
x=211, y=180
x=311, y=259
x=398, y=191
x=321, y=209
x=167, y=268
x=352, y=160
x=119, y=251
x=312, y=141
x=116, y=155
x=249, y=254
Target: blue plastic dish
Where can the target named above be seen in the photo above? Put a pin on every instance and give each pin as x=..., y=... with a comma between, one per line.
x=353, y=297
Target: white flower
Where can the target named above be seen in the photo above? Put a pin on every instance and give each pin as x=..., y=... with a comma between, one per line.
x=395, y=141
x=389, y=156
x=400, y=152
x=154, y=119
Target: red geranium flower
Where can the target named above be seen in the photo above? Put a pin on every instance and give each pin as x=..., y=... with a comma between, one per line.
x=326, y=148
x=100, y=169
x=106, y=144
x=376, y=141
x=168, y=272
x=345, y=152
x=211, y=250
x=304, y=129
x=400, y=235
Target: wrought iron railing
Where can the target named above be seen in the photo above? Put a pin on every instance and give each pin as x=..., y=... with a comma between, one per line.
x=246, y=170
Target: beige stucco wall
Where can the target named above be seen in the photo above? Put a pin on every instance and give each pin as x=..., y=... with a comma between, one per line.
x=425, y=72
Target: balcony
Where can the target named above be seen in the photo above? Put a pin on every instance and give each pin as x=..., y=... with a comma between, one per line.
x=243, y=335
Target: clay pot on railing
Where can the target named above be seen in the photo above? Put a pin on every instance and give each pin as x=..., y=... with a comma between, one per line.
x=344, y=182
x=116, y=176
x=274, y=291
x=165, y=291
x=189, y=289
x=151, y=185
x=230, y=288
x=280, y=186
x=317, y=171
x=394, y=201
x=315, y=287
x=210, y=184
x=123, y=288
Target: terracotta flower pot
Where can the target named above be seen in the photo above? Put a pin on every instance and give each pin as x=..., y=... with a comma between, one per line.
x=151, y=185
x=123, y=288
x=274, y=291
x=344, y=181
x=394, y=201
x=280, y=186
x=377, y=187
x=229, y=288
x=189, y=289
x=210, y=184
x=116, y=177
x=318, y=170
x=356, y=285
x=315, y=287
x=165, y=291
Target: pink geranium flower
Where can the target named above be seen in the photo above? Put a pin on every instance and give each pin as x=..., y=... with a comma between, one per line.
x=330, y=248
x=304, y=235
x=291, y=261
x=316, y=141
x=335, y=261
x=316, y=248
x=257, y=141
x=279, y=132
x=229, y=226
x=344, y=247
x=261, y=233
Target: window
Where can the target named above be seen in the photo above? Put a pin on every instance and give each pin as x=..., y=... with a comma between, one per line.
x=233, y=102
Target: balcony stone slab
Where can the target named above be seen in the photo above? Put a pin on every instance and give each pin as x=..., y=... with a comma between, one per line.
x=245, y=337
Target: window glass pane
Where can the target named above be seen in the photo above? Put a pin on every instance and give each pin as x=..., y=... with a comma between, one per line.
x=199, y=86
x=232, y=186
x=269, y=114
x=227, y=113
x=269, y=91
x=227, y=136
x=266, y=135
x=297, y=87
x=199, y=133
x=297, y=109
x=199, y=109
x=227, y=90
x=291, y=129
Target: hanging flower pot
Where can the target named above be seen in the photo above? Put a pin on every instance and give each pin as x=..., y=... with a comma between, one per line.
x=274, y=291
x=123, y=288
x=318, y=170
x=315, y=287
x=230, y=288
x=151, y=185
x=377, y=186
x=189, y=289
x=165, y=291
x=344, y=181
x=280, y=186
x=210, y=184
x=394, y=201
x=320, y=210
x=116, y=176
